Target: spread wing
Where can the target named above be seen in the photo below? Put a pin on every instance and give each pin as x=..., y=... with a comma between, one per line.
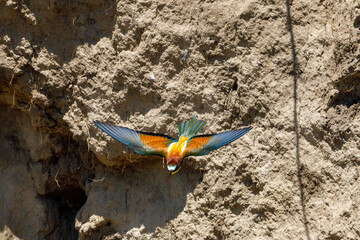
x=141, y=142
x=204, y=144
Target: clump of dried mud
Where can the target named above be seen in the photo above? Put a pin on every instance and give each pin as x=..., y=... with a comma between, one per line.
x=291, y=70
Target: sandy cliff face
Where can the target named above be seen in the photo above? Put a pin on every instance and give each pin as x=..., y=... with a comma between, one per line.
x=289, y=69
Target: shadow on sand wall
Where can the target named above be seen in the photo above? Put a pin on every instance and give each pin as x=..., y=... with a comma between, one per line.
x=144, y=197
x=296, y=124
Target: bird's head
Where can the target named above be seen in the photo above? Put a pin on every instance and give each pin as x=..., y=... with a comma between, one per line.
x=174, y=163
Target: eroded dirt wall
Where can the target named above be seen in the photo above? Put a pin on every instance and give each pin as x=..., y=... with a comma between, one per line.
x=290, y=69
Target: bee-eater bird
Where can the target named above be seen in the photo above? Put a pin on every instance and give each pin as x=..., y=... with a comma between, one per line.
x=173, y=150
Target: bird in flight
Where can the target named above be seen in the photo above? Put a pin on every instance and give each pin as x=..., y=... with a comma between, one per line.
x=174, y=150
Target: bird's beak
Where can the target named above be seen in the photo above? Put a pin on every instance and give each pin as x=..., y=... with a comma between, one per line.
x=173, y=172
x=173, y=169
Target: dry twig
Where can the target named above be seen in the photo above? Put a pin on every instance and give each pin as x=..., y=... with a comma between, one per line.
x=57, y=182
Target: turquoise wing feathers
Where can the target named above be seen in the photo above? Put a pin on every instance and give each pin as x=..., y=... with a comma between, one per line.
x=141, y=142
x=204, y=144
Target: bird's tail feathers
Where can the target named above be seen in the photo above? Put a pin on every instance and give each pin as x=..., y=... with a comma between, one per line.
x=190, y=128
